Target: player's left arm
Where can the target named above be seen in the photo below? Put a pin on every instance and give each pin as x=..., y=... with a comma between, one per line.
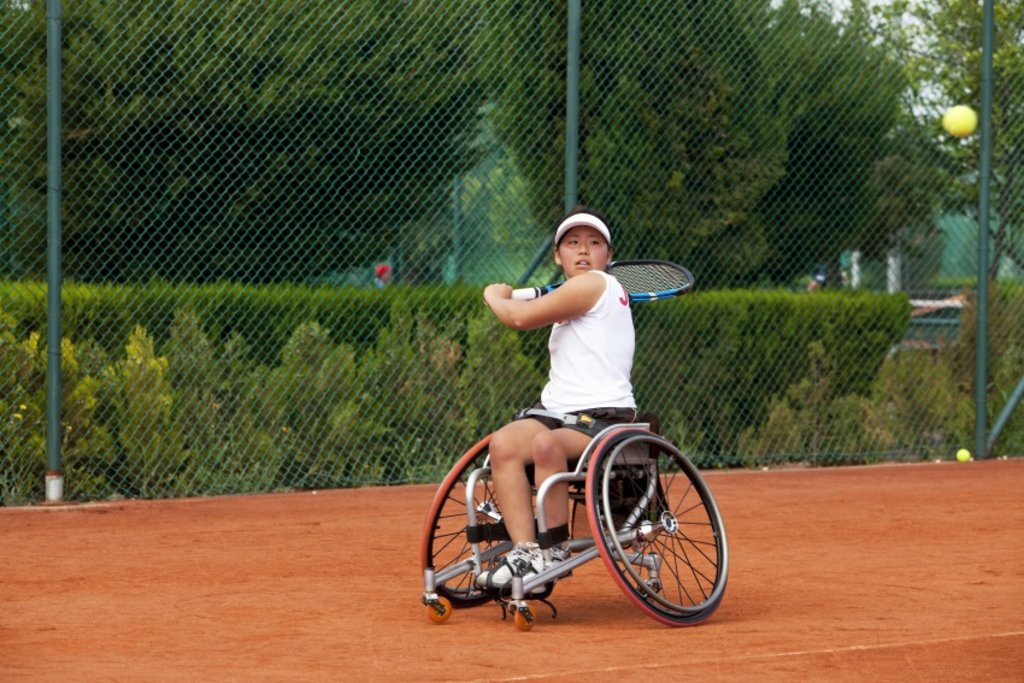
x=574, y=298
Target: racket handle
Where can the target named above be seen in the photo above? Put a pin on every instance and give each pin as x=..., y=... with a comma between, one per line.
x=526, y=293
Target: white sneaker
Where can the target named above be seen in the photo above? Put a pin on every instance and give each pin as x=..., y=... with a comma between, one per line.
x=524, y=561
x=558, y=554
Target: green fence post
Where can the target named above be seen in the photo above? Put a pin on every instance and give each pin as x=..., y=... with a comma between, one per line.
x=572, y=106
x=54, y=478
x=981, y=377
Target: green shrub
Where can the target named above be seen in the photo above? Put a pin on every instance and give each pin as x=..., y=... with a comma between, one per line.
x=1005, y=339
x=810, y=423
x=497, y=377
x=85, y=444
x=264, y=317
x=150, y=449
x=411, y=401
x=303, y=402
x=741, y=350
x=87, y=452
x=22, y=422
x=193, y=408
x=920, y=405
x=225, y=439
x=1007, y=373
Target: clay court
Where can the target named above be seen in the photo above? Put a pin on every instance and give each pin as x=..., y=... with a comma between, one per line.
x=890, y=572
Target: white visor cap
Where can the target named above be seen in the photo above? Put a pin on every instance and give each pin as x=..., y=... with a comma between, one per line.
x=587, y=219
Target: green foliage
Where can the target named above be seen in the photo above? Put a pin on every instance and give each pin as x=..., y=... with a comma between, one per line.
x=810, y=422
x=945, y=56
x=1007, y=373
x=840, y=128
x=754, y=126
x=235, y=150
x=914, y=412
x=22, y=422
x=85, y=443
x=141, y=417
x=304, y=401
x=920, y=404
x=415, y=368
x=699, y=381
x=1004, y=332
x=497, y=377
x=229, y=446
x=262, y=317
x=924, y=411
x=198, y=413
x=1005, y=337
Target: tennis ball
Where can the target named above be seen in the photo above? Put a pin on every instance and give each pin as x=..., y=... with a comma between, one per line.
x=963, y=455
x=960, y=121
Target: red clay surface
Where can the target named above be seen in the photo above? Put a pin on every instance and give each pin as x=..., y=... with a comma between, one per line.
x=898, y=572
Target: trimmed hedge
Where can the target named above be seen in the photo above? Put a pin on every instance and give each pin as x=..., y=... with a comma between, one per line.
x=711, y=363
x=264, y=317
x=183, y=390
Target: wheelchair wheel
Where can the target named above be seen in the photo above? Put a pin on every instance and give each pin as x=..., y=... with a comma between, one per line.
x=657, y=526
x=445, y=544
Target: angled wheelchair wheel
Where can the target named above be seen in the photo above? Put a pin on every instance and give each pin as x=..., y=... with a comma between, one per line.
x=446, y=545
x=657, y=526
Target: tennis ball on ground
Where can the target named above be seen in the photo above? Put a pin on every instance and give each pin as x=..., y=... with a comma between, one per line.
x=963, y=455
x=960, y=121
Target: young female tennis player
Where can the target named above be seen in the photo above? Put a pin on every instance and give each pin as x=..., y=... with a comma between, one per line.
x=591, y=347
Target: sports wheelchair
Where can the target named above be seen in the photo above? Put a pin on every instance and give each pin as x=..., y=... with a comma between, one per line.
x=652, y=520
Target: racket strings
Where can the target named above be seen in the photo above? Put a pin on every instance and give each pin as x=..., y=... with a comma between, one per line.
x=650, y=277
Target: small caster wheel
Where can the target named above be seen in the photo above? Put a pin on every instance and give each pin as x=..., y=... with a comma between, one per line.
x=523, y=618
x=439, y=610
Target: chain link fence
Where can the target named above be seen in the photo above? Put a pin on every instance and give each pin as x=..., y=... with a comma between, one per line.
x=278, y=217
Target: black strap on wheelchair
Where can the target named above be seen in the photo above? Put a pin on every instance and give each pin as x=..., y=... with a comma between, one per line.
x=491, y=533
x=582, y=420
x=553, y=537
x=488, y=533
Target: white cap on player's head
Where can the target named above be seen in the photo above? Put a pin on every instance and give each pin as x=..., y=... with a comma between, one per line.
x=582, y=218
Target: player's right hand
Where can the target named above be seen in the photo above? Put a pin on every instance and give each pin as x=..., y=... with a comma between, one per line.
x=498, y=290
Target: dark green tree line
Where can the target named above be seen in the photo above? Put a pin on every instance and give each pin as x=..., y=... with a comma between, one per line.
x=279, y=141
x=253, y=142
x=738, y=135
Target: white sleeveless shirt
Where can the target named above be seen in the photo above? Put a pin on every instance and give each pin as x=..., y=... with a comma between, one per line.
x=592, y=356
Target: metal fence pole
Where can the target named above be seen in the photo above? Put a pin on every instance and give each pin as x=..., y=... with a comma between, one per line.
x=572, y=106
x=981, y=378
x=54, y=478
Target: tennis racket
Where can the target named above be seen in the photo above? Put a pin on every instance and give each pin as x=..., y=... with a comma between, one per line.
x=644, y=280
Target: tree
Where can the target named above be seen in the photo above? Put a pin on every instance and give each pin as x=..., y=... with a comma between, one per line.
x=255, y=143
x=952, y=32
x=940, y=42
x=841, y=143
x=737, y=135
x=20, y=35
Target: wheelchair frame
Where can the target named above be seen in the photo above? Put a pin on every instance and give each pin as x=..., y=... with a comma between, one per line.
x=670, y=557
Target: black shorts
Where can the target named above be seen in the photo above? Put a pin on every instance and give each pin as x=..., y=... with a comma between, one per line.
x=600, y=419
